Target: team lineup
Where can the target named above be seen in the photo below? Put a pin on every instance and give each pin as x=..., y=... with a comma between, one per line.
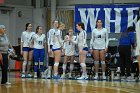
x=31, y=41
x=33, y=45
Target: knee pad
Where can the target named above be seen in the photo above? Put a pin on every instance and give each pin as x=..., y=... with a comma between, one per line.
x=96, y=62
x=83, y=65
x=29, y=63
x=24, y=63
x=102, y=62
x=56, y=64
x=36, y=63
x=51, y=61
x=41, y=63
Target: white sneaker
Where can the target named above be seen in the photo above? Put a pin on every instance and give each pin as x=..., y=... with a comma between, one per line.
x=75, y=61
x=23, y=75
x=63, y=76
x=130, y=79
x=104, y=77
x=35, y=76
x=29, y=76
x=7, y=83
x=86, y=77
x=95, y=78
x=135, y=61
x=49, y=76
x=70, y=75
x=116, y=78
x=83, y=77
x=46, y=71
x=118, y=70
x=43, y=76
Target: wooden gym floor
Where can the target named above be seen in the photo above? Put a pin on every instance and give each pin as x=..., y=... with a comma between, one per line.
x=66, y=86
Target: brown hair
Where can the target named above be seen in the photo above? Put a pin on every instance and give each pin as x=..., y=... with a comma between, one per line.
x=37, y=28
x=82, y=25
x=27, y=25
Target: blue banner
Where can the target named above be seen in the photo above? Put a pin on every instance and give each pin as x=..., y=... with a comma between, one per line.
x=116, y=18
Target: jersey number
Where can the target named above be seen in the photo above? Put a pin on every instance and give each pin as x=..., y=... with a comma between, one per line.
x=40, y=42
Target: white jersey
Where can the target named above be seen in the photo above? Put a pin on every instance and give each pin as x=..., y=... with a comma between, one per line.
x=70, y=46
x=138, y=34
x=39, y=41
x=99, y=39
x=50, y=36
x=55, y=38
x=82, y=40
x=26, y=38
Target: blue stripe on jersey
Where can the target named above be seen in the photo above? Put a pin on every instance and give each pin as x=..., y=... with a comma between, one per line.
x=61, y=33
x=84, y=34
x=75, y=38
x=48, y=35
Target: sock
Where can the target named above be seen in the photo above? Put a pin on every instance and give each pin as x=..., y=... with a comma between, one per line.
x=49, y=71
x=103, y=73
x=64, y=68
x=24, y=66
x=29, y=66
x=96, y=74
x=71, y=67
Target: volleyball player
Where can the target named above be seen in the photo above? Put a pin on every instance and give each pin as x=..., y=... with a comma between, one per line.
x=83, y=49
x=27, y=50
x=39, y=41
x=56, y=48
x=50, y=52
x=99, y=45
x=69, y=50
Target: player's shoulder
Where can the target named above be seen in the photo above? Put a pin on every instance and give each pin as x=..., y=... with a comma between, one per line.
x=33, y=33
x=104, y=29
x=51, y=30
x=23, y=32
x=43, y=35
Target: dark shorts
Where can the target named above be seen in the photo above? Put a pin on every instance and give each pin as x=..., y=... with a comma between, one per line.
x=56, y=49
x=85, y=48
x=51, y=46
x=27, y=49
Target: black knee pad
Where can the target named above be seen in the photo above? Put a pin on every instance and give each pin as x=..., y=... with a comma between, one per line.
x=51, y=61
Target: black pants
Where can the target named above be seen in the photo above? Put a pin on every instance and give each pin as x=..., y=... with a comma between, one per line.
x=125, y=59
x=4, y=67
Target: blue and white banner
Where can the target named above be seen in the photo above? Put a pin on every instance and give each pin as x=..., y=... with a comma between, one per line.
x=116, y=18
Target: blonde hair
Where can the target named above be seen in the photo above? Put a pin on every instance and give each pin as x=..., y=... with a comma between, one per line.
x=61, y=24
x=1, y=31
x=70, y=28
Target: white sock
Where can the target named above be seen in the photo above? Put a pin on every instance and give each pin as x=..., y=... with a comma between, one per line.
x=71, y=67
x=35, y=73
x=103, y=73
x=64, y=67
x=118, y=68
x=96, y=74
x=29, y=66
x=24, y=66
